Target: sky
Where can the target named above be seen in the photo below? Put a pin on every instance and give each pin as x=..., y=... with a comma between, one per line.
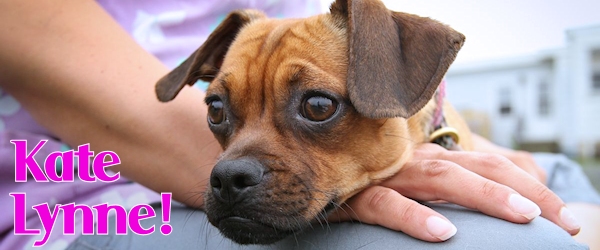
x=508, y=28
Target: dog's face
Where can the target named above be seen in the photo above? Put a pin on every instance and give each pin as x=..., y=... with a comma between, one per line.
x=280, y=109
x=301, y=108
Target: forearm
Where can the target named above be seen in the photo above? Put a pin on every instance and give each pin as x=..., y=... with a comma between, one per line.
x=82, y=77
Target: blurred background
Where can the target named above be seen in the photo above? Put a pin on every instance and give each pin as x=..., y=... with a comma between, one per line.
x=528, y=76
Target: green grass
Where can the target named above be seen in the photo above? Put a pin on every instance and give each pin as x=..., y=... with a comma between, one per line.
x=588, y=162
x=591, y=167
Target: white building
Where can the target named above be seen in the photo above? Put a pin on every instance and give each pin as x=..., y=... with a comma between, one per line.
x=547, y=101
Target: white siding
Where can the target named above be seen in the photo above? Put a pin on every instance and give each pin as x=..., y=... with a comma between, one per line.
x=573, y=119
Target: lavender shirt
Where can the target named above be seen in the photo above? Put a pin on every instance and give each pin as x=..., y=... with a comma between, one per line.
x=171, y=30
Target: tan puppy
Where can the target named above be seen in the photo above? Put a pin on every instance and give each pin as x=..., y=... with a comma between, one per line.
x=311, y=111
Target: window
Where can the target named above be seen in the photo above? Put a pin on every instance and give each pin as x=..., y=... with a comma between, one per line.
x=505, y=101
x=595, y=70
x=543, y=99
x=596, y=81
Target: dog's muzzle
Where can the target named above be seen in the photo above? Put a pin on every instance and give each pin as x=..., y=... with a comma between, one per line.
x=252, y=204
x=231, y=180
x=234, y=203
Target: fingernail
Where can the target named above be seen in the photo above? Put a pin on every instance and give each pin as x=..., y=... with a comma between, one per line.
x=524, y=206
x=568, y=219
x=440, y=228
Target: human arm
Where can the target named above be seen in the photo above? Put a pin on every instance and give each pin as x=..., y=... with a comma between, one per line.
x=81, y=76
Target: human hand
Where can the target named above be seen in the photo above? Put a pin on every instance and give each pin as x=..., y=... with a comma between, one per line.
x=525, y=161
x=486, y=182
x=522, y=159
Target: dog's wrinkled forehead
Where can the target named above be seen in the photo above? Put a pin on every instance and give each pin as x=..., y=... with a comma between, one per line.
x=270, y=57
x=277, y=53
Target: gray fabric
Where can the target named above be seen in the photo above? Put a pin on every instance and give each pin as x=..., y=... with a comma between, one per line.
x=566, y=178
x=191, y=229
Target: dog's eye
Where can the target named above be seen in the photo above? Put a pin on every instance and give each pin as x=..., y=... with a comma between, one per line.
x=318, y=108
x=215, y=112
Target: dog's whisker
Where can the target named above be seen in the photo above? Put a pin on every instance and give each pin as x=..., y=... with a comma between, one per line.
x=351, y=210
x=299, y=224
x=197, y=191
x=207, y=225
x=402, y=137
x=383, y=124
x=188, y=215
x=208, y=145
x=194, y=196
x=322, y=219
x=295, y=237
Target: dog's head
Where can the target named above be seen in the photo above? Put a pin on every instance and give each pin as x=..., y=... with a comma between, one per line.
x=301, y=109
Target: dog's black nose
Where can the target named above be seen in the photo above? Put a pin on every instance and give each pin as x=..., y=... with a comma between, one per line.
x=230, y=179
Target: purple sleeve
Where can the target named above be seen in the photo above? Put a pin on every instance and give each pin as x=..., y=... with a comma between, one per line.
x=7, y=150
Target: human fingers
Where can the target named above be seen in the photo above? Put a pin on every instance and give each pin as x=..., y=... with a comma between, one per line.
x=444, y=180
x=382, y=206
x=525, y=161
x=522, y=159
x=501, y=170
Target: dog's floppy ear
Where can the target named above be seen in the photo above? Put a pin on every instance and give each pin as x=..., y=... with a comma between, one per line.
x=395, y=60
x=206, y=61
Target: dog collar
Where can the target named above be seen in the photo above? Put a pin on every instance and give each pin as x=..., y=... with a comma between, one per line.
x=442, y=134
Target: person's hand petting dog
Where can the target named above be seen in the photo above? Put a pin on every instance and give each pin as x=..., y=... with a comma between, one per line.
x=486, y=182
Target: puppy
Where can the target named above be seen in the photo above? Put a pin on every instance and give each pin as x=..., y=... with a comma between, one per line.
x=311, y=111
